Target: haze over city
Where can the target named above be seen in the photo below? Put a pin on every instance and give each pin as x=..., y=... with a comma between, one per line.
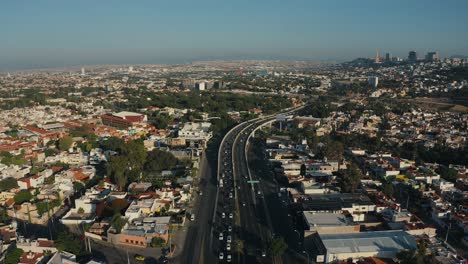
x=247, y=132
x=57, y=33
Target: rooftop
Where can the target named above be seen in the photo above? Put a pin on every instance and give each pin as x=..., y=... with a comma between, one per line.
x=368, y=242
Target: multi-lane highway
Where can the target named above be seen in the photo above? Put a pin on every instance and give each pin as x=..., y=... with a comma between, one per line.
x=231, y=210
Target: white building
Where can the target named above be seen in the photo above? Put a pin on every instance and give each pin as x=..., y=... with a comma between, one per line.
x=373, y=81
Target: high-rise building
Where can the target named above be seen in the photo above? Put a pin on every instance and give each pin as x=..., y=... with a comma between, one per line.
x=377, y=57
x=432, y=56
x=413, y=56
x=83, y=71
x=373, y=81
x=200, y=86
x=130, y=69
x=388, y=57
x=188, y=83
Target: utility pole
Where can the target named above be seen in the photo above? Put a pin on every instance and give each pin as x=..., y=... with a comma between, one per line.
x=448, y=231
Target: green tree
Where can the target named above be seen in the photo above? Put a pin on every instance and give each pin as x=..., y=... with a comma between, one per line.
x=14, y=256
x=80, y=210
x=333, y=150
x=116, y=169
x=277, y=246
x=387, y=189
x=49, y=152
x=65, y=143
x=118, y=222
x=66, y=241
x=157, y=242
x=78, y=186
x=22, y=197
x=136, y=153
x=112, y=143
x=8, y=184
x=351, y=178
x=158, y=160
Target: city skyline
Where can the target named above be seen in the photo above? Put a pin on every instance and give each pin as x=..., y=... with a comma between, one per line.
x=56, y=34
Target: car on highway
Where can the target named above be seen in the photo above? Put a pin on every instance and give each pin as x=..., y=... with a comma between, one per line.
x=230, y=195
x=229, y=239
x=228, y=247
x=230, y=215
x=221, y=255
x=223, y=215
x=163, y=260
x=139, y=257
x=230, y=228
x=221, y=236
x=192, y=217
x=243, y=204
x=229, y=258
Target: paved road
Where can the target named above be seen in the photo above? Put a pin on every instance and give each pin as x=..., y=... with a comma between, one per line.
x=196, y=246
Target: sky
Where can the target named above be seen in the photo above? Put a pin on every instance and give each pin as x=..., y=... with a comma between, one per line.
x=57, y=33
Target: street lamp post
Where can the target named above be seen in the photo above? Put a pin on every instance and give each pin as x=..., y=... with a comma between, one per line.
x=298, y=237
x=305, y=252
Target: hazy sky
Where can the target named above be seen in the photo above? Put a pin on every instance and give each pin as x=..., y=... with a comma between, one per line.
x=58, y=33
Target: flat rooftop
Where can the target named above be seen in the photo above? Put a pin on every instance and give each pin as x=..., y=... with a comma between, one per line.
x=368, y=242
x=325, y=219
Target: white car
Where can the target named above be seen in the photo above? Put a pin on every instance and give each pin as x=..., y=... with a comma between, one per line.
x=229, y=258
x=221, y=237
x=229, y=239
x=230, y=215
x=229, y=228
x=228, y=247
x=221, y=255
x=223, y=215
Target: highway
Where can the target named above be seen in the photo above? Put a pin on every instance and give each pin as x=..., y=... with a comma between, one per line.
x=230, y=209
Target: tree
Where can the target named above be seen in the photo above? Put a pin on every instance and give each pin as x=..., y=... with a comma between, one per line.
x=118, y=222
x=158, y=160
x=78, y=186
x=112, y=143
x=447, y=173
x=65, y=143
x=135, y=153
x=417, y=256
x=333, y=150
x=116, y=170
x=277, y=246
x=351, y=178
x=8, y=184
x=22, y=197
x=80, y=210
x=157, y=242
x=66, y=241
x=49, y=152
x=388, y=189
x=14, y=256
